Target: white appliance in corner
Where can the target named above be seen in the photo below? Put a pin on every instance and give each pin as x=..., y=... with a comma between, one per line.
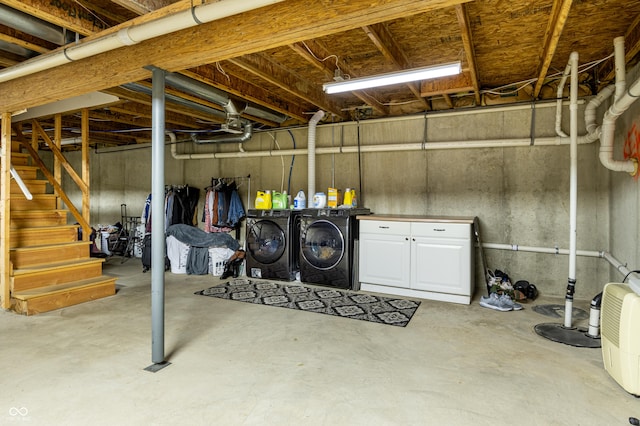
x=620, y=326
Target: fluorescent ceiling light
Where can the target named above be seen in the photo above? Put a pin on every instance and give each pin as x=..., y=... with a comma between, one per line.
x=405, y=76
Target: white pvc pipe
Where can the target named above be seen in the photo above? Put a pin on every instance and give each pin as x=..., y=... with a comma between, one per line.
x=134, y=34
x=559, y=96
x=593, y=131
x=311, y=153
x=620, y=67
x=573, y=188
x=544, y=250
x=621, y=268
x=616, y=264
x=416, y=146
x=622, y=102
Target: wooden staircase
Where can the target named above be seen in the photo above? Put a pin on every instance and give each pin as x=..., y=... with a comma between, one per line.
x=50, y=268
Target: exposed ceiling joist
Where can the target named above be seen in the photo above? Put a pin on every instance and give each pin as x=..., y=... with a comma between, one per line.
x=141, y=7
x=384, y=41
x=504, y=47
x=261, y=67
x=467, y=41
x=557, y=21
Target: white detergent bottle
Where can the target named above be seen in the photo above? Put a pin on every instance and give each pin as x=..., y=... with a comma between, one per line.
x=300, y=201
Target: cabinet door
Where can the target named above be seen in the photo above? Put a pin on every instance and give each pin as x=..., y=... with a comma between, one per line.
x=441, y=265
x=385, y=259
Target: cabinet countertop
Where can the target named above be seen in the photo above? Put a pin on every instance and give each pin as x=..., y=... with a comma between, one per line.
x=417, y=218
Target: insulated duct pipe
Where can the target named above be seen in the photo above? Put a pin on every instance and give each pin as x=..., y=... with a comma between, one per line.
x=573, y=189
x=623, y=101
x=197, y=88
x=26, y=23
x=137, y=87
x=311, y=153
x=229, y=137
x=220, y=97
x=134, y=34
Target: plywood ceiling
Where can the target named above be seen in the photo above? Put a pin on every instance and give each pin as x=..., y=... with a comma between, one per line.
x=275, y=59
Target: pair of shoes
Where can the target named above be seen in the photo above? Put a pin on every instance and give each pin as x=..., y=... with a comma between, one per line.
x=507, y=301
x=502, y=303
x=503, y=280
x=233, y=265
x=528, y=290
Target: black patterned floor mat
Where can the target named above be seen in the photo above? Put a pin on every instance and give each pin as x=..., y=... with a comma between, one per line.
x=366, y=307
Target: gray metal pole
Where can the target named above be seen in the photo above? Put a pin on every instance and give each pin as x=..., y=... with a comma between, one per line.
x=157, y=216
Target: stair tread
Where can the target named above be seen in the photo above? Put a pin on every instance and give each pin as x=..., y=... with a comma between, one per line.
x=44, y=228
x=60, y=288
x=36, y=211
x=25, y=167
x=58, y=265
x=48, y=246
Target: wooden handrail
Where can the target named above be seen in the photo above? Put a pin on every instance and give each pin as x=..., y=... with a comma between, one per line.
x=60, y=156
x=58, y=189
x=60, y=160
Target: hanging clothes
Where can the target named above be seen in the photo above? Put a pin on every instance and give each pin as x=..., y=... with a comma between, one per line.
x=180, y=207
x=223, y=209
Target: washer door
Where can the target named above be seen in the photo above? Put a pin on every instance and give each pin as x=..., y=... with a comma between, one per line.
x=322, y=244
x=266, y=241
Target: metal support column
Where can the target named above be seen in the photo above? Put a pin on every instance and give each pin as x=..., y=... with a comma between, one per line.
x=157, y=220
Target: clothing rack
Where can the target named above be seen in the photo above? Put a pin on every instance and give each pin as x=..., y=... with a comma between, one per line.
x=229, y=179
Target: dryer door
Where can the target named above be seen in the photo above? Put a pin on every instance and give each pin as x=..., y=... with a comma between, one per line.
x=322, y=244
x=266, y=241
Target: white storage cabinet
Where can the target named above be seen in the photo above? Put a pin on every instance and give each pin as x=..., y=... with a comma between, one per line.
x=425, y=257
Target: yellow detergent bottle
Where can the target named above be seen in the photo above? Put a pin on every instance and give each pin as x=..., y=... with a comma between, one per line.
x=350, y=198
x=263, y=200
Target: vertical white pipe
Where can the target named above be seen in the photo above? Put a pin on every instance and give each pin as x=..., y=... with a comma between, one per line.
x=573, y=188
x=620, y=67
x=623, y=100
x=311, y=153
x=559, y=97
x=157, y=216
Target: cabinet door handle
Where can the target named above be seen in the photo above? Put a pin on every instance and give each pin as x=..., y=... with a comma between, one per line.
x=406, y=238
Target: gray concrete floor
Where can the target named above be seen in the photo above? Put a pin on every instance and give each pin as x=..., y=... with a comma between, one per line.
x=235, y=363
